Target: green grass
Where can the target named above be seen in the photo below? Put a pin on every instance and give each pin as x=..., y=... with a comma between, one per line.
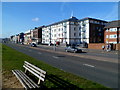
x=12, y=59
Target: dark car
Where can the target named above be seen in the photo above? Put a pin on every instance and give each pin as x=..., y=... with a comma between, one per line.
x=33, y=45
x=72, y=49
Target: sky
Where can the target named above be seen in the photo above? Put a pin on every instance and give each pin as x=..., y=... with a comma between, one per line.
x=20, y=17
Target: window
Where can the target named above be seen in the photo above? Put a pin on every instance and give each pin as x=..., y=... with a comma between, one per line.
x=106, y=36
x=113, y=36
x=74, y=34
x=79, y=34
x=74, y=28
x=100, y=34
x=59, y=29
x=106, y=30
x=97, y=27
x=79, y=28
x=113, y=29
x=91, y=21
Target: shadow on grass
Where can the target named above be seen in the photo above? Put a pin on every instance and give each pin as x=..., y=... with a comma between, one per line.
x=60, y=83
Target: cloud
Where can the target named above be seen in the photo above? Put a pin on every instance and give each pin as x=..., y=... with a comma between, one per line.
x=35, y=19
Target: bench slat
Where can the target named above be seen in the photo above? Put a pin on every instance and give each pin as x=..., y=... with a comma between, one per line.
x=42, y=71
x=34, y=73
x=24, y=79
x=39, y=73
x=19, y=78
x=28, y=80
x=32, y=82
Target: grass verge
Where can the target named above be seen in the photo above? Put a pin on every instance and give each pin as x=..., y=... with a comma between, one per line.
x=12, y=59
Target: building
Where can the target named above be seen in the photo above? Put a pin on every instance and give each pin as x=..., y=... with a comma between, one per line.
x=60, y=32
x=37, y=35
x=74, y=31
x=112, y=32
x=21, y=35
x=27, y=37
x=92, y=30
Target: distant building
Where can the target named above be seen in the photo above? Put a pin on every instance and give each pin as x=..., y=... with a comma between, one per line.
x=112, y=32
x=36, y=35
x=27, y=37
x=74, y=31
x=21, y=35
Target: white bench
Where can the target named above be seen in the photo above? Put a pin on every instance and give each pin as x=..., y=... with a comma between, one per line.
x=26, y=81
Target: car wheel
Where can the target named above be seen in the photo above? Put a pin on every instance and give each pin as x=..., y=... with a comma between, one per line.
x=74, y=51
x=66, y=50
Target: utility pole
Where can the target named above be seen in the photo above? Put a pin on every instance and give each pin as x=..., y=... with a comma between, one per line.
x=54, y=45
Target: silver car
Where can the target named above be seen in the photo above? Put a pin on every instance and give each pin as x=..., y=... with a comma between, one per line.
x=72, y=49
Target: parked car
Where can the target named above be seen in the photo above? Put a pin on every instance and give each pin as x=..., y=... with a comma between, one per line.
x=72, y=49
x=33, y=45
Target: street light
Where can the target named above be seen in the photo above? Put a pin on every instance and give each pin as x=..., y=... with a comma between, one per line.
x=54, y=45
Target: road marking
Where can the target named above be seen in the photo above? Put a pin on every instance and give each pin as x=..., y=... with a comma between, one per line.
x=39, y=53
x=55, y=57
x=88, y=65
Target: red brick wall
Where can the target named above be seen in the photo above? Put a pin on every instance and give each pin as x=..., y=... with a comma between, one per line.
x=117, y=46
x=99, y=46
x=95, y=45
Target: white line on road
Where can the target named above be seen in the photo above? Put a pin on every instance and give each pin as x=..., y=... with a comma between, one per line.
x=55, y=57
x=88, y=65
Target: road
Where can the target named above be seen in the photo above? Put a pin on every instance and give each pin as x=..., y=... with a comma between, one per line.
x=103, y=72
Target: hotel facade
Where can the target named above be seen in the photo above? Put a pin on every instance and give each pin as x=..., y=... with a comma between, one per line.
x=74, y=31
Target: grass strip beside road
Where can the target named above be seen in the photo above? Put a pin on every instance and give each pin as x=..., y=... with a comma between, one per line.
x=56, y=78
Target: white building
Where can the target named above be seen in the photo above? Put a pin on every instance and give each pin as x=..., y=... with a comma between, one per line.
x=63, y=31
x=72, y=31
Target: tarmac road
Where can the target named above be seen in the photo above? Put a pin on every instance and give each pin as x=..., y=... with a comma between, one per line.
x=103, y=72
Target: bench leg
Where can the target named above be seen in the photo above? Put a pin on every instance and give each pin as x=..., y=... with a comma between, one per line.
x=39, y=82
x=25, y=70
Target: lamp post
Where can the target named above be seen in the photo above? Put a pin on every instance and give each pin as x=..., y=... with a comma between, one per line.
x=54, y=45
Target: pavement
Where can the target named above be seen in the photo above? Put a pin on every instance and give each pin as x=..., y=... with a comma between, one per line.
x=85, y=49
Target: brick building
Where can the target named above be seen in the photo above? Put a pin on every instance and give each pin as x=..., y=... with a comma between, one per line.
x=37, y=35
x=112, y=32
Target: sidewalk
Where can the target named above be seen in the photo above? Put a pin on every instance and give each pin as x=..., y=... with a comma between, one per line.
x=101, y=51
x=85, y=49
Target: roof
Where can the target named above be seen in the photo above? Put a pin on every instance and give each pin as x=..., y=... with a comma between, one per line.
x=113, y=24
x=36, y=28
x=91, y=19
x=70, y=19
x=74, y=19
